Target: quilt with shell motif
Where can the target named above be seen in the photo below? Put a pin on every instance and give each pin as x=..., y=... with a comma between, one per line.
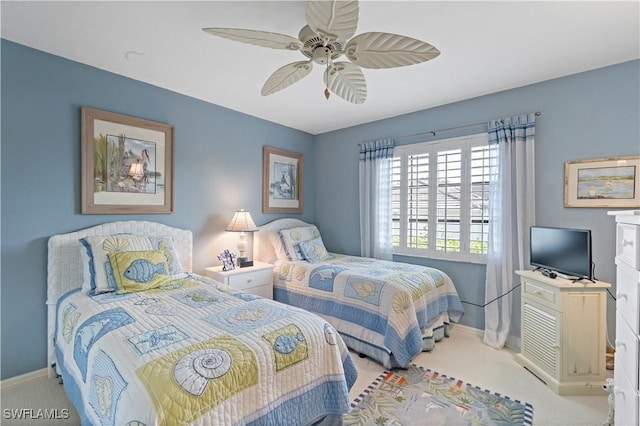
x=195, y=352
x=387, y=310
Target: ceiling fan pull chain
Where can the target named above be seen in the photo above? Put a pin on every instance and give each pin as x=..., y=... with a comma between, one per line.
x=326, y=89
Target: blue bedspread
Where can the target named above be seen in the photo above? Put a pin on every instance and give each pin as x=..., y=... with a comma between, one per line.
x=381, y=308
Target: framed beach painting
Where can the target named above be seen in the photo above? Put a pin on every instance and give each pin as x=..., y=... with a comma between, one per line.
x=127, y=164
x=282, y=181
x=603, y=182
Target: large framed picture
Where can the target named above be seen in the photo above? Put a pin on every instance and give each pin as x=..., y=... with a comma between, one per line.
x=282, y=181
x=127, y=164
x=603, y=182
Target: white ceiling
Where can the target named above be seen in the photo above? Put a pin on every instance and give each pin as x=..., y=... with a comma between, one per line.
x=486, y=47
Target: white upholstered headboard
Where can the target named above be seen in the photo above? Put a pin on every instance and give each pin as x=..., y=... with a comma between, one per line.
x=262, y=246
x=64, y=262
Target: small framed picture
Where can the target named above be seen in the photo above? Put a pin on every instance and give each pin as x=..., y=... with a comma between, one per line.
x=228, y=259
x=609, y=182
x=282, y=181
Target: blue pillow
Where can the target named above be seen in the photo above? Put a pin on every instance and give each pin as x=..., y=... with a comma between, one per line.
x=314, y=250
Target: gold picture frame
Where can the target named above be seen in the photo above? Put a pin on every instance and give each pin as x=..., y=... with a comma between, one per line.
x=127, y=164
x=610, y=182
x=282, y=181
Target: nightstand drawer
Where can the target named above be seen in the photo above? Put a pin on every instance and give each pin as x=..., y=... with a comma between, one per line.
x=250, y=280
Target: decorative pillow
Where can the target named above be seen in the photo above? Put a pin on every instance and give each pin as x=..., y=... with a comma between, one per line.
x=98, y=268
x=139, y=270
x=314, y=250
x=292, y=237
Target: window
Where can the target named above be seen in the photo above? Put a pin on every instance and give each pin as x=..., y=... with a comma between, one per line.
x=440, y=197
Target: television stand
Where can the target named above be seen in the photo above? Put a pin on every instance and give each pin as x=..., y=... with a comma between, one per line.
x=563, y=335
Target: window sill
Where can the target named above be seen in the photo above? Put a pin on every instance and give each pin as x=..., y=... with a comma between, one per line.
x=478, y=259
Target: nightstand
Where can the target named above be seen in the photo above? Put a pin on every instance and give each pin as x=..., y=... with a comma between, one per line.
x=256, y=279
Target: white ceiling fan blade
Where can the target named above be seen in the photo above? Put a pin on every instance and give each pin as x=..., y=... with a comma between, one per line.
x=347, y=81
x=333, y=20
x=257, y=38
x=385, y=50
x=286, y=76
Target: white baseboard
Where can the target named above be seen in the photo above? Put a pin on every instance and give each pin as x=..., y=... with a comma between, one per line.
x=513, y=342
x=23, y=378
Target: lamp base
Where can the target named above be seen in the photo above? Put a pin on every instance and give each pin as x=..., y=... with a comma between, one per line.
x=243, y=262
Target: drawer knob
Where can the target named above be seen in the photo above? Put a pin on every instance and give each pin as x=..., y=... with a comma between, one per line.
x=249, y=280
x=627, y=243
x=620, y=344
x=621, y=295
x=537, y=293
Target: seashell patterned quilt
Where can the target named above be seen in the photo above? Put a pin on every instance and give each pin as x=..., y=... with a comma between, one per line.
x=390, y=311
x=195, y=352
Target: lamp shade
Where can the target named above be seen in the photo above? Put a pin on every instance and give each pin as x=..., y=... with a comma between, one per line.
x=242, y=222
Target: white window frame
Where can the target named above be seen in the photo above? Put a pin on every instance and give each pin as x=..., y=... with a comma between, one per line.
x=465, y=143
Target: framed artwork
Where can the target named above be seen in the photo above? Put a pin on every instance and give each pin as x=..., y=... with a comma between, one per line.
x=603, y=182
x=127, y=164
x=282, y=181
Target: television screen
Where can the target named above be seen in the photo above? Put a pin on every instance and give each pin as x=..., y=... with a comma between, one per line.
x=563, y=250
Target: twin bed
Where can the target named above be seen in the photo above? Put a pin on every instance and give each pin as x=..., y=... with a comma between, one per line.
x=388, y=311
x=153, y=343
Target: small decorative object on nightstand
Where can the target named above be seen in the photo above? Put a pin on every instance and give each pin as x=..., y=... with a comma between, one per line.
x=228, y=260
x=242, y=223
x=256, y=279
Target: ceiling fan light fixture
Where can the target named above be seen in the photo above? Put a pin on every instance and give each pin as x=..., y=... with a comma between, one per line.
x=328, y=34
x=322, y=55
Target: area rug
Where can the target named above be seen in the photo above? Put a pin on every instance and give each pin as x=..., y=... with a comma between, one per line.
x=419, y=396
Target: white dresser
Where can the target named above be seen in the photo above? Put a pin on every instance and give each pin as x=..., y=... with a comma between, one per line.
x=626, y=375
x=563, y=335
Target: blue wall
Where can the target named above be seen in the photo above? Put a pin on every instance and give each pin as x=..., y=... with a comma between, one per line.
x=218, y=165
x=587, y=115
x=218, y=169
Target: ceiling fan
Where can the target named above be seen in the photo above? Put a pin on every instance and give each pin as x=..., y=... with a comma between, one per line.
x=327, y=36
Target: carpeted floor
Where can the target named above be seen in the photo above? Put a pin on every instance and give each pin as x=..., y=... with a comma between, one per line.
x=462, y=355
x=410, y=397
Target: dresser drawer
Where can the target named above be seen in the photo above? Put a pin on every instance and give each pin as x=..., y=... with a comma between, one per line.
x=628, y=294
x=250, y=280
x=627, y=239
x=627, y=350
x=542, y=294
x=627, y=399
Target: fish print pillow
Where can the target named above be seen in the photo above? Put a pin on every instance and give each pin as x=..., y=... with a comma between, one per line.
x=292, y=237
x=314, y=250
x=97, y=267
x=139, y=270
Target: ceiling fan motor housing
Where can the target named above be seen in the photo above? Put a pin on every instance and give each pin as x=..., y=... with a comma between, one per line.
x=314, y=46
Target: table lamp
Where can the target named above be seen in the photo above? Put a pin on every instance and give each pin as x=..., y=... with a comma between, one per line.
x=242, y=223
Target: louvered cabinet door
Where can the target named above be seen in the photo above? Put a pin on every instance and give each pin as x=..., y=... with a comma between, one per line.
x=541, y=336
x=563, y=335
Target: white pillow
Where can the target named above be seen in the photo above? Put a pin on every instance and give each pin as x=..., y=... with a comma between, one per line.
x=292, y=237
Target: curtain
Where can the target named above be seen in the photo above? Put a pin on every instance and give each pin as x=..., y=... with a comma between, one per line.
x=511, y=213
x=375, y=198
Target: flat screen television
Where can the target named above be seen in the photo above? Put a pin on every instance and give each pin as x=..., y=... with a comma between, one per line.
x=565, y=251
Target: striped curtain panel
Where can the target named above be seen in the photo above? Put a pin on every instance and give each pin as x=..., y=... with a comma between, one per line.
x=511, y=213
x=375, y=198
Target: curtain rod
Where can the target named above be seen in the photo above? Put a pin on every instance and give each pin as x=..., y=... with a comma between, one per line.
x=433, y=132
